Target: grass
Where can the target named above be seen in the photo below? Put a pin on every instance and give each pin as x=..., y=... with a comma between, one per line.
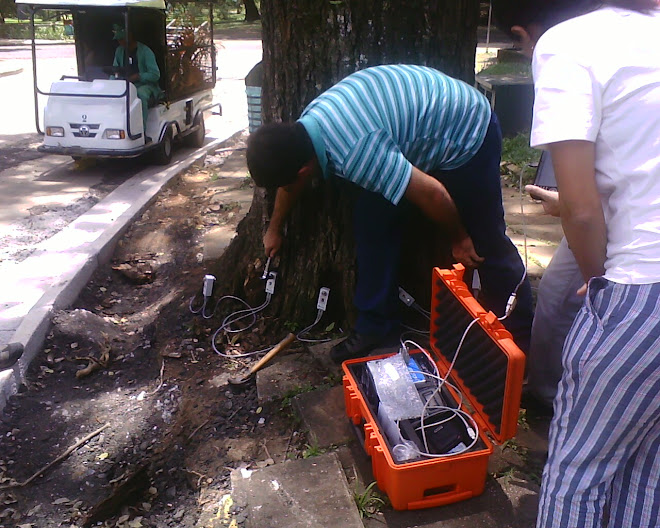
x=369, y=501
x=312, y=450
x=287, y=401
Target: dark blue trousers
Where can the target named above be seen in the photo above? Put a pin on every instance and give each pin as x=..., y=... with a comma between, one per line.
x=475, y=189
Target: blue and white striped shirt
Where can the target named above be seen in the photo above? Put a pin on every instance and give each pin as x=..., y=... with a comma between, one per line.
x=372, y=127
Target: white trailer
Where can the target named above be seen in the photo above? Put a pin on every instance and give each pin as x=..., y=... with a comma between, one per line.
x=98, y=113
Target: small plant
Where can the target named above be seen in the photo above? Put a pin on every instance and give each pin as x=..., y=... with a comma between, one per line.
x=247, y=182
x=522, y=419
x=312, y=450
x=291, y=326
x=369, y=501
x=287, y=400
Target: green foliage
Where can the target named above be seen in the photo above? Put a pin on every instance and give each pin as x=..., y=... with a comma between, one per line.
x=312, y=450
x=7, y=8
x=291, y=326
x=287, y=400
x=369, y=501
x=507, y=68
x=517, y=152
x=21, y=30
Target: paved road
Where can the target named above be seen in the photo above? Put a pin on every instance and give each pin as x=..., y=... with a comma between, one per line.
x=39, y=195
x=23, y=52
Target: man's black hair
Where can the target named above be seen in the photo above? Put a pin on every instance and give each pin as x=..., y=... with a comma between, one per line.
x=547, y=13
x=276, y=152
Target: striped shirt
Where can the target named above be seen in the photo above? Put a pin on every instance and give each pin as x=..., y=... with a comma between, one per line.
x=372, y=127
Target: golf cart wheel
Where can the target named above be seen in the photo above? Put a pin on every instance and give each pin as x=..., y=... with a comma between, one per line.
x=196, y=139
x=163, y=153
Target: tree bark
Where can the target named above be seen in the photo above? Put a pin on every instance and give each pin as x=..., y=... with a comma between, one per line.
x=251, y=11
x=309, y=45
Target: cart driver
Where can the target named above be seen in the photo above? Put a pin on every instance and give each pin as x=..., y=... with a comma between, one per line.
x=142, y=71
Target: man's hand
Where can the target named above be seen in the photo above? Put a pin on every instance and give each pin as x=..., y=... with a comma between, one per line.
x=549, y=199
x=463, y=251
x=272, y=241
x=134, y=78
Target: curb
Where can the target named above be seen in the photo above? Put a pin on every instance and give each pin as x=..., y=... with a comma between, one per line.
x=96, y=232
x=7, y=73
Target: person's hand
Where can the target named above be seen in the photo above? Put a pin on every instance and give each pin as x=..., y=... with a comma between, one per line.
x=134, y=78
x=272, y=242
x=582, y=291
x=463, y=251
x=549, y=199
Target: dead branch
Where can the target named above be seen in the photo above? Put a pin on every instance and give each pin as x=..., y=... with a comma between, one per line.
x=58, y=459
x=198, y=428
x=162, y=369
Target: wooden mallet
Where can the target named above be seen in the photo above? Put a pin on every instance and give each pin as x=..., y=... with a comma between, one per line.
x=237, y=382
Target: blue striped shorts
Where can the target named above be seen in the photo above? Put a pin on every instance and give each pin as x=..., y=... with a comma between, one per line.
x=603, y=466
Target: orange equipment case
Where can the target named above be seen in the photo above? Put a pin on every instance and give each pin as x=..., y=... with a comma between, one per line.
x=489, y=371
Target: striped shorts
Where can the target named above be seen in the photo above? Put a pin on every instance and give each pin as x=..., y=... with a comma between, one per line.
x=603, y=466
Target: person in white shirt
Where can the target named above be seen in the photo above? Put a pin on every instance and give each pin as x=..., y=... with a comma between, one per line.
x=596, y=68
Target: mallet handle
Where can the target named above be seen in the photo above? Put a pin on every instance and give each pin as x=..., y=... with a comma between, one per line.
x=273, y=352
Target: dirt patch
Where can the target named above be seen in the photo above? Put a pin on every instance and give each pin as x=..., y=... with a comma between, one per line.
x=131, y=354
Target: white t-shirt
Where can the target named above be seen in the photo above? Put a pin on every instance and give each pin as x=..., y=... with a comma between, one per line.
x=597, y=78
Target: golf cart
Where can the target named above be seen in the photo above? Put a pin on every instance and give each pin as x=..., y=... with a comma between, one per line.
x=98, y=113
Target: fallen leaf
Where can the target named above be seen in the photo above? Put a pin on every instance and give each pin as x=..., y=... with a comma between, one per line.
x=63, y=500
x=103, y=456
x=34, y=510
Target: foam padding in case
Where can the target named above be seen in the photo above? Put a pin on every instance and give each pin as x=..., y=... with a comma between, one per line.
x=489, y=367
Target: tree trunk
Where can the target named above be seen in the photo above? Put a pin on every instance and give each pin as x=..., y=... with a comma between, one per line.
x=251, y=11
x=309, y=45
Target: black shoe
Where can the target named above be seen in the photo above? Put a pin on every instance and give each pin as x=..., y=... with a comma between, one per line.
x=10, y=354
x=355, y=346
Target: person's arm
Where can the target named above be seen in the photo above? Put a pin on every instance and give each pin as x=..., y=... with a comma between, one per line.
x=149, y=71
x=580, y=205
x=285, y=199
x=434, y=200
x=119, y=55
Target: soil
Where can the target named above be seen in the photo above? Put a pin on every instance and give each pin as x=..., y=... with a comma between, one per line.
x=173, y=427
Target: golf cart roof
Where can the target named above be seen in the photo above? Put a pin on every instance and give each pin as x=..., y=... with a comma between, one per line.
x=156, y=4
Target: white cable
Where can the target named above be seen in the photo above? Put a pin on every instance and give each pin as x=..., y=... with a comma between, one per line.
x=304, y=331
x=421, y=310
x=511, y=302
x=200, y=309
x=456, y=411
x=415, y=330
x=232, y=318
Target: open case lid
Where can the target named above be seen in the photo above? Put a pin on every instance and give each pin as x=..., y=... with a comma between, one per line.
x=490, y=367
